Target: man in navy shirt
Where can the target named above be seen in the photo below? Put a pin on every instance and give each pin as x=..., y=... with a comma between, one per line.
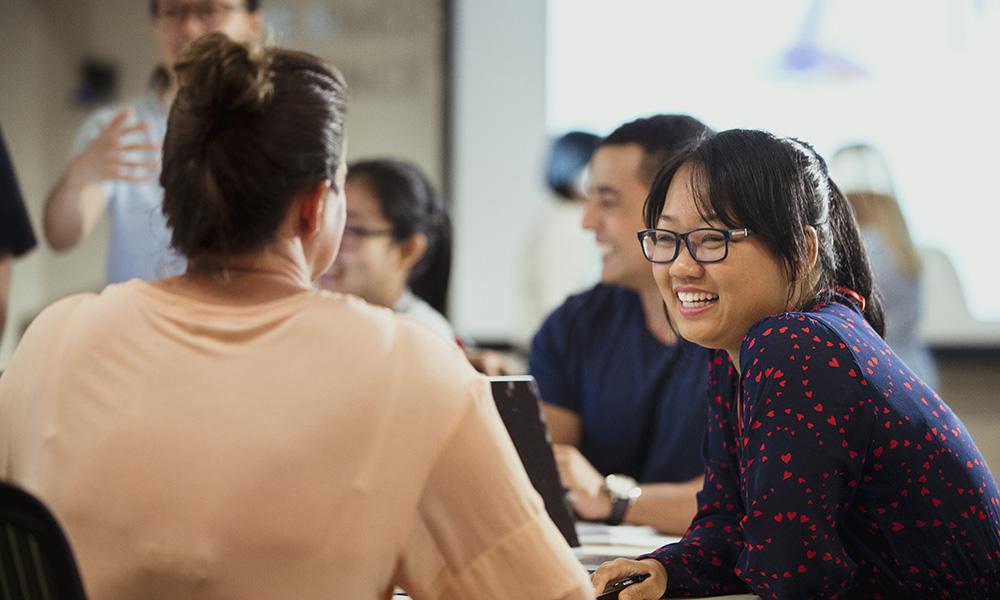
x=625, y=400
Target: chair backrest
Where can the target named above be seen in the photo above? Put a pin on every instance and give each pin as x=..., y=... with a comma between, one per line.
x=36, y=561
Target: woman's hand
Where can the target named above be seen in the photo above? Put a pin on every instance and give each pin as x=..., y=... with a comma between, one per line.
x=652, y=589
x=586, y=485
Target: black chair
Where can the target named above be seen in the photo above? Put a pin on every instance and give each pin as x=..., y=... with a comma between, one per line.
x=36, y=561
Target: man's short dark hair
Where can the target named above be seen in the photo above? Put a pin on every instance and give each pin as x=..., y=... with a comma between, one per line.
x=660, y=137
x=251, y=5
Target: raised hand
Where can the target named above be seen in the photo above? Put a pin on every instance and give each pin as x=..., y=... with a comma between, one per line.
x=107, y=157
x=77, y=201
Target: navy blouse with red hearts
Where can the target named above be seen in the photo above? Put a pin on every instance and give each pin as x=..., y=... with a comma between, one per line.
x=848, y=477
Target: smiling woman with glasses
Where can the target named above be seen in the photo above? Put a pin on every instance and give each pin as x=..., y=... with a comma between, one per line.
x=832, y=470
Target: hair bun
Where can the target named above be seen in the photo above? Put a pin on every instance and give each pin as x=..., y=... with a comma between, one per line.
x=218, y=78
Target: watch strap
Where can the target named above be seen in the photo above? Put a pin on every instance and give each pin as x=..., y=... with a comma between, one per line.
x=623, y=491
x=619, y=506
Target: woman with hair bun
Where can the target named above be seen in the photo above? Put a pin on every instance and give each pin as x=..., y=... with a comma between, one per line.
x=232, y=432
x=832, y=470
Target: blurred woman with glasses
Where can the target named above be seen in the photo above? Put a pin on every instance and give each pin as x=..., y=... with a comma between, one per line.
x=397, y=243
x=116, y=155
x=832, y=470
x=233, y=433
x=863, y=174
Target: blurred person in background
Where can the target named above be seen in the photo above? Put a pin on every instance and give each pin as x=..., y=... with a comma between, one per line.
x=115, y=164
x=864, y=176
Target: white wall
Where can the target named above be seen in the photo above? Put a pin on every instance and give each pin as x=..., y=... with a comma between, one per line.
x=389, y=52
x=499, y=146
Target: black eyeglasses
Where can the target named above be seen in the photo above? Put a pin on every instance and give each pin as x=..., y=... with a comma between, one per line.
x=353, y=234
x=706, y=245
x=359, y=231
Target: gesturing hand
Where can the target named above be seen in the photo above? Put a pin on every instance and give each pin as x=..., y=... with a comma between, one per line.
x=586, y=485
x=105, y=159
x=652, y=589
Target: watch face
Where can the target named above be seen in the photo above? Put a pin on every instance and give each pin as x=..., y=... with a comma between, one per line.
x=621, y=486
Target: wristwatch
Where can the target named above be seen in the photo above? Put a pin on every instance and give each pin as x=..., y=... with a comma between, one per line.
x=623, y=491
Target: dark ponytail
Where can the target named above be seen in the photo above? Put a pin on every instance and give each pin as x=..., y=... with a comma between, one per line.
x=430, y=278
x=412, y=205
x=852, y=270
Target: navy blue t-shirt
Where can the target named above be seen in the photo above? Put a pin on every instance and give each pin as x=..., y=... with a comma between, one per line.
x=642, y=404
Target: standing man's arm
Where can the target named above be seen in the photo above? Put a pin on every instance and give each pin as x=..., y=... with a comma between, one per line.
x=75, y=204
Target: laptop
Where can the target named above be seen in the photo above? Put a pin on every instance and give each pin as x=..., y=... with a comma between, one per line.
x=519, y=405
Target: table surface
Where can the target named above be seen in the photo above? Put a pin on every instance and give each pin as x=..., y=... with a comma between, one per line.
x=600, y=542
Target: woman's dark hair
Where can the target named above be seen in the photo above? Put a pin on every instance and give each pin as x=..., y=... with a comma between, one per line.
x=159, y=81
x=246, y=134
x=568, y=157
x=412, y=205
x=776, y=187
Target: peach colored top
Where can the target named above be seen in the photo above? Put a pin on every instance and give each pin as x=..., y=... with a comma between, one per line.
x=311, y=447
